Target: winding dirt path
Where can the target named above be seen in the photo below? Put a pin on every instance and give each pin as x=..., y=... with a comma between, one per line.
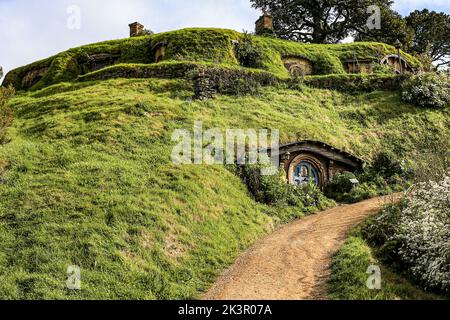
x=294, y=262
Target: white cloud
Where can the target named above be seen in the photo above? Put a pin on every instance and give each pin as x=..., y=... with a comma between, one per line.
x=407, y=6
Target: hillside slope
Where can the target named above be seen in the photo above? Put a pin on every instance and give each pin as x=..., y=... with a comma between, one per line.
x=87, y=180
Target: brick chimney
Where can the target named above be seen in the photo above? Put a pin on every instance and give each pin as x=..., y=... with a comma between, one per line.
x=264, y=24
x=136, y=29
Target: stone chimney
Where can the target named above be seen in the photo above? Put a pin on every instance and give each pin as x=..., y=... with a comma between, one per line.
x=136, y=29
x=264, y=24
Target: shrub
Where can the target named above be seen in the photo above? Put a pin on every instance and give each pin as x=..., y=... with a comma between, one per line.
x=341, y=183
x=274, y=190
x=362, y=192
x=242, y=87
x=248, y=54
x=268, y=189
x=387, y=165
x=427, y=91
x=6, y=113
x=312, y=197
x=325, y=63
x=385, y=175
x=416, y=233
x=379, y=68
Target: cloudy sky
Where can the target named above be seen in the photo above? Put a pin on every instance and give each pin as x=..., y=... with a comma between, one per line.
x=32, y=30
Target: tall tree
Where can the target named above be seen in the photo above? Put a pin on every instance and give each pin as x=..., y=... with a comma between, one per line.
x=432, y=35
x=317, y=21
x=393, y=27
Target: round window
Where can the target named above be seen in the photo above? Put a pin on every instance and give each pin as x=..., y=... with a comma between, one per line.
x=305, y=173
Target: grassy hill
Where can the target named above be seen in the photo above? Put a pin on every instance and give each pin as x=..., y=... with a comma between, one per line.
x=86, y=176
x=86, y=179
x=202, y=45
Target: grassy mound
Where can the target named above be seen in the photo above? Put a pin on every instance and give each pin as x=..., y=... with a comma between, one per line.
x=87, y=180
x=349, y=277
x=201, y=45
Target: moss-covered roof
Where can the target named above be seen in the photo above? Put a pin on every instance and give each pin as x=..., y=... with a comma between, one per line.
x=201, y=45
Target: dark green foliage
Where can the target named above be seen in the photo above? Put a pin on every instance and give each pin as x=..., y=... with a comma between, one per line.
x=317, y=21
x=393, y=28
x=384, y=176
x=427, y=91
x=387, y=165
x=274, y=190
x=342, y=189
x=341, y=183
x=243, y=87
x=432, y=34
x=248, y=54
x=268, y=189
x=382, y=69
x=377, y=232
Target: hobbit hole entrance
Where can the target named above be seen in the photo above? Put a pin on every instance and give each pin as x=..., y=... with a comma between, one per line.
x=315, y=162
x=298, y=66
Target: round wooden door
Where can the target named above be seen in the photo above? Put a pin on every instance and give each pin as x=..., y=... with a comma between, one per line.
x=305, y=173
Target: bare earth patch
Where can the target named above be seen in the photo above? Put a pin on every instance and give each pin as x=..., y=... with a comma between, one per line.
x=294, y=263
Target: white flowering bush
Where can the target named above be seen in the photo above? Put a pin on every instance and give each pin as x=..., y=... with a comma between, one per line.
x=417, y=233
x=427, y=91
x=424, y=234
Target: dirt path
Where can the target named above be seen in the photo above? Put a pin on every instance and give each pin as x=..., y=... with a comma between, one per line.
x=294, y=262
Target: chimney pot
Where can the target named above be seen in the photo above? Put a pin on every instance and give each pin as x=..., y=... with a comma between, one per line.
x=136, y=29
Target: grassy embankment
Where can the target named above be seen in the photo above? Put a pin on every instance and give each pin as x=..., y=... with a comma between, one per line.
x=87, y=180
x=349, y=277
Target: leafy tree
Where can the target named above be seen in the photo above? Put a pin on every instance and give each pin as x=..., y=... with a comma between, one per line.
x=318, y=21
x=432, y=35
x=393, y=27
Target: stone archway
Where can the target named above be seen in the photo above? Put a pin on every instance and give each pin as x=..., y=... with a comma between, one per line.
x=298, y=66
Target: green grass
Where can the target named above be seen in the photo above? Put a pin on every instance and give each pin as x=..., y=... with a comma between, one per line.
x=87, y=180
x=349, y=277
x=203, y=45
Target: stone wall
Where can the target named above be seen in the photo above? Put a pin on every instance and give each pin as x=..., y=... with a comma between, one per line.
x=208, y=79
